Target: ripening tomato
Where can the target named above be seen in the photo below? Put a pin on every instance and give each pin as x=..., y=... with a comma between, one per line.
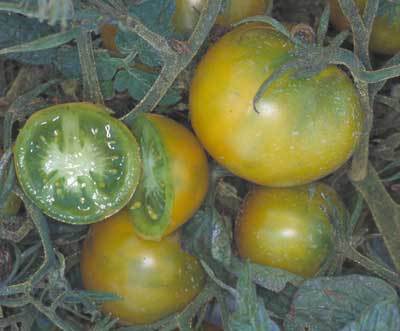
x=385, y=34
x=289, y=228
x=77, y=163
x=187, y=12
x=303, y=129
x=153, y=279
x=175, y=176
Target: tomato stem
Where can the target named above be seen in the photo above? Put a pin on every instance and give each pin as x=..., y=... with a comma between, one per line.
x=372, y=266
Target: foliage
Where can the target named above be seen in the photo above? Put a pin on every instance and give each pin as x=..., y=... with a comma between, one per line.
x=50, y=54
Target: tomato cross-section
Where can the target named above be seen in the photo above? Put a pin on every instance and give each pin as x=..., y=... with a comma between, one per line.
x=77, y=163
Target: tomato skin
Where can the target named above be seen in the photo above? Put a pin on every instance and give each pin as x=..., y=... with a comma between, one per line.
x=187, y=13
x=153, y=279
x=384, y=36
x=304, y=128
x=189, y=168
x=287, y=228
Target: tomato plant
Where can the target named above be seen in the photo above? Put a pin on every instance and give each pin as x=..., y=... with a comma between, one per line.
x=303, y=128
x=153, y=279
x=11, y=206
x=187, y=12
x=76, y=162
x=385, y=34
x=289, y=228
x=175, y=176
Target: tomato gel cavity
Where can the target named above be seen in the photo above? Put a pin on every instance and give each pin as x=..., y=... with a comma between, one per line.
x=76, y=162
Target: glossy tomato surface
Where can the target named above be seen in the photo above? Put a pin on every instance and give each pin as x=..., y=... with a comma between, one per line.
x=153, y=279
x=77, y=163
x=303, y=129
x=289, y=228
x=385, y=36
x=175, y=176
x=187, y=12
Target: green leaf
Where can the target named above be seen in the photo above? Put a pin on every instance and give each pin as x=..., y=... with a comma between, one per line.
x=330, y=303
x=250, y=314
x=157, y=16
x=21, y=29
x=383, y=316
x=220, y=239
x=267, y=277
x=67, y=62
x=138, y=82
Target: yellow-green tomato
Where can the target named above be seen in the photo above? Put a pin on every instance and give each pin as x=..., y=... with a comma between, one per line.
x=187, y=12
x=385, y=36
x=303, y=129
x=153, y=279
x=289, y=228
x=189, y=169
x=174, y=180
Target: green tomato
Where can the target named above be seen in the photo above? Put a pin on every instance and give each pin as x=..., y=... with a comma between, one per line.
x=385, y=35
x=304, y=129
x=175, y=176
x=153, y=279
x=187, y=12
x=77, y=163
x=289, y=228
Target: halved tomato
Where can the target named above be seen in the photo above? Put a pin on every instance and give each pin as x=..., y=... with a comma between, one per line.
x=77, y=163
x=175, y=176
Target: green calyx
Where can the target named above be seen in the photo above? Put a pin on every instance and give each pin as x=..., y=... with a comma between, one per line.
x=151, y=206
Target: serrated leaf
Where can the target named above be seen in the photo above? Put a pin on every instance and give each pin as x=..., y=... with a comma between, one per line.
x=383, y=316
x=21, y=29
x=250, y=314
x=220, y=240
x=138, y=82
x=267, y=277
x=67, y=62
x=157, y=16
x=329, y=303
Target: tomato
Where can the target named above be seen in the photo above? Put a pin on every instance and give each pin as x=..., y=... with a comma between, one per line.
x=175, y=176
x=153, y=279
x=304, y=129
x=385, y=34
x=187, y=12
x=76, y=162
x=108, y=33
x=289, y=228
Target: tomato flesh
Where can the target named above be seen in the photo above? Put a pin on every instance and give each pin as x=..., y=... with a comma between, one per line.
x=76, y=162
x=175, y=176
x=289, y=228
x=153, y=279
x=303, y=129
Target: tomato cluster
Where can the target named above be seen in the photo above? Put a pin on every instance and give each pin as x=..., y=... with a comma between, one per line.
x=140, y=184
